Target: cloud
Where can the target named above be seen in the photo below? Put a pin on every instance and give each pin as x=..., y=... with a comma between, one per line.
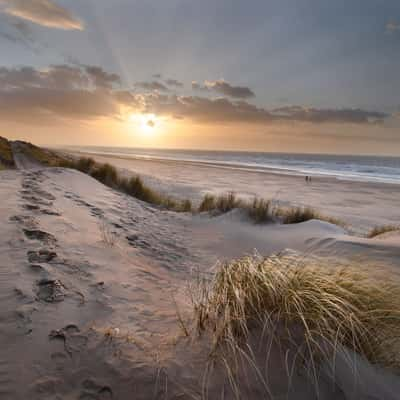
x=392, y=26
x=60, y=91
x=154, y=85
x=42, y=12
x=198, y=86
x=225, y=88
x=102, y=78
x=222, y=110
x=174, y=82
x=84, y=92
x=17, y=31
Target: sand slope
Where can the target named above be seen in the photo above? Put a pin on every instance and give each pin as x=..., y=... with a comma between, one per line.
x=91, y=281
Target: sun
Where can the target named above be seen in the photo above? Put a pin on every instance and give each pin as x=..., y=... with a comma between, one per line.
x=148, y=124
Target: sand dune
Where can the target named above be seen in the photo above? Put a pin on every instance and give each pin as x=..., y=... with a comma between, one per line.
x=93, y=291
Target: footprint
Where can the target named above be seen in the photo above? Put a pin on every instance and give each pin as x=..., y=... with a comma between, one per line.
x=94, y=390
x=24, y=219
x=41, y=256
x=37, y=234
x=50, y=290
x=46, y=211
x=31, y=207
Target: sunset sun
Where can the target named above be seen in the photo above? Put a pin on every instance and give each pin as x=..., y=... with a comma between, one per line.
x=147, y=124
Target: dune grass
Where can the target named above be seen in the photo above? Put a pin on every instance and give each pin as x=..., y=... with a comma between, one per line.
x=6, y=155
x=379, y=230
x=295, y=215
x=134, y=186
x=258, y=210
x=262, y=211
x=321, y=308
x=43, y=156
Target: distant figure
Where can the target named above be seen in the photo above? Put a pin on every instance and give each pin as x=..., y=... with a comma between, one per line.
x=308, y=178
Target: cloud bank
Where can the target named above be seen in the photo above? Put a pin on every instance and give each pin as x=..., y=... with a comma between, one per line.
x=225, y=88
x=154, y=85
x=84, y=92
x=42, y=12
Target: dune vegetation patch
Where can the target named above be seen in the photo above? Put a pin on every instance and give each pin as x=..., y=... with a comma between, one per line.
x=134, y=186
x=43, y=156
x=262, y=211
x=380, y=230
x=314, y=307
x=6, y=155
x=258, y=210
x=296, y=215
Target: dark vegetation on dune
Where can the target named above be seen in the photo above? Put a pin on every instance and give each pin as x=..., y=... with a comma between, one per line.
x=134, y=186
x=6, y=155
x=262, y=211
x=258, y=210
x=380, y=230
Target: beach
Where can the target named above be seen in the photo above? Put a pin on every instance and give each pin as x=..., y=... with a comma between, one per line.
x=95, y=284
x=362, y=205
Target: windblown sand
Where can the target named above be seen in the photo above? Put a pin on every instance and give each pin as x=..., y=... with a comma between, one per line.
x=93, y=285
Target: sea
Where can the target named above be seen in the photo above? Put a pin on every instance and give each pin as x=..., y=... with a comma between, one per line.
x=347, y=167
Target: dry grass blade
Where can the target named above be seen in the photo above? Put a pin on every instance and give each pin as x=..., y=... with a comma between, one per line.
x=320, y=308
x=108, y=236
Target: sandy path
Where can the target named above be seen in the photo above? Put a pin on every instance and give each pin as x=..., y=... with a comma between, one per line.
x=22, y=161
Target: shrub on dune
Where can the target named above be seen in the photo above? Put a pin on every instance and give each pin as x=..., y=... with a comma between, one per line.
x=105, y=173
x=319, y=307
x=6, y=155
x=85, y=164
x=136, y=188
x=260, y=211
x=296, y=215
x=379, y=230
x=207, y=203
x=227, y=202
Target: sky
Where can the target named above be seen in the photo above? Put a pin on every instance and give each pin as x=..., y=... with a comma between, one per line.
x=316, y=76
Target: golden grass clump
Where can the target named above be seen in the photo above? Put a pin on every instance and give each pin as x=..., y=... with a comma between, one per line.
x=379, y=230
x=6, y=155
x=227, y=202
x=321, y=307
x=260, y=210
x=296, y=215
x=208, y=203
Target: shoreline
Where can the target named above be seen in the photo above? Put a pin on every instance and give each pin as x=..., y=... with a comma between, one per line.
x=234, y=166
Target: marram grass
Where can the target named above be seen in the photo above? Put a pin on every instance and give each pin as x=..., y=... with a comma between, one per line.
x=379, y=230
x=322, y=306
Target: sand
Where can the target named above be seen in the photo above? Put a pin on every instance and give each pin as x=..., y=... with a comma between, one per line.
x=93, y=284
x=362, y=205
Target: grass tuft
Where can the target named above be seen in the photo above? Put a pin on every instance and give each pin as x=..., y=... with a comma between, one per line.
x=321, y=308
x=6, y=155
x=296, y=215
x=208, y=203
x=260, y=211
x=379, y=230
